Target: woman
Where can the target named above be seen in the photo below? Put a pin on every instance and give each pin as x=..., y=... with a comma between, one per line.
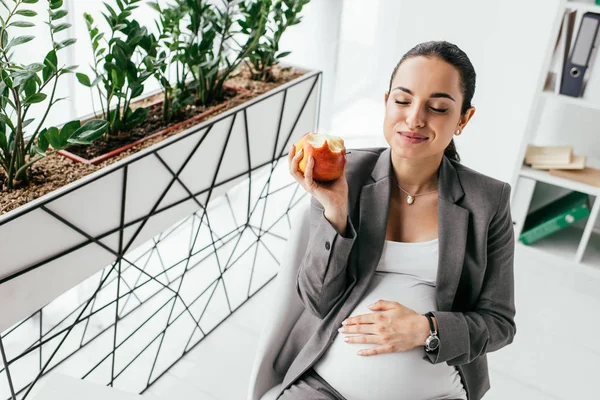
x=407, y=280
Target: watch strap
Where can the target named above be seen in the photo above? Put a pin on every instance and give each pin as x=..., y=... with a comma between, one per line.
x=429, y=316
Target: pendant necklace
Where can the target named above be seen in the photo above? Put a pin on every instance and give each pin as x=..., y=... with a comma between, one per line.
x=410, y=198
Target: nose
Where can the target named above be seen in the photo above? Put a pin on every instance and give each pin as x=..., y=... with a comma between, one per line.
x=415, y=116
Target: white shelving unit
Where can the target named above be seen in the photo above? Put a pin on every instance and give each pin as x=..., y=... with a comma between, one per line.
x=580, y=243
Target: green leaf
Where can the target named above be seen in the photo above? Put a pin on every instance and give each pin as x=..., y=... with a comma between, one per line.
x=65, y=43
x=42, y=143
x=26, y=13
x=120, y=57
x=4, y=118
x=30, y=87
x=27, y=122
x=155, y=6
x=137, y=117
x=18, y=41
x=51, y=61
x=22, y=24
x=3, y=141
x=46, y=73
x=58, y=15
x=30, y=1
x=52, y=136
x=283, y=54
x=54, y=4
x=61, y=27
x=137, y=91
x=34, y=67
x=83, y=79
x=118, y=79
x=69, y=128
x=89, y=132
x=35, y=98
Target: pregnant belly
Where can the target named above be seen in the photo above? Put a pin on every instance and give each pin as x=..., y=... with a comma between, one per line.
x=394, y=376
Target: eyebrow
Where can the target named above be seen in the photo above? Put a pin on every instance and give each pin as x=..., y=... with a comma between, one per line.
x=435, y=95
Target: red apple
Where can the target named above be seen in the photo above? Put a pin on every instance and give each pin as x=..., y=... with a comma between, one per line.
x=328, y=152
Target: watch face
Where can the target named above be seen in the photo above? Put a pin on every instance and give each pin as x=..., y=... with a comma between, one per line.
x=433, y=343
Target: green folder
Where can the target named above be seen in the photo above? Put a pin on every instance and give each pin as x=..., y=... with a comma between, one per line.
x=555, y=216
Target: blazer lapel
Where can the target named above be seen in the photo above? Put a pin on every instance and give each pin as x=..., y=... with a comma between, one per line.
x=453, y=227
x=374, y=208
x=372, y=222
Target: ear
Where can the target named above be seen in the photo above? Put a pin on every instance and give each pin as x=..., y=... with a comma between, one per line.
x=464, y=120
x=385, y=98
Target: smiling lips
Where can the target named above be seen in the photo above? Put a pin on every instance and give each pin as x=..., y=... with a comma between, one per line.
x=413, y=137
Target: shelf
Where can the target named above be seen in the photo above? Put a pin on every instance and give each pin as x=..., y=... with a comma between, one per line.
x=564, y=243
x=544, y=176
x=582, y=6
x=577, y=101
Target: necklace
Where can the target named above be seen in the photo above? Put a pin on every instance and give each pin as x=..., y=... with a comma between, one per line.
x=410, y=198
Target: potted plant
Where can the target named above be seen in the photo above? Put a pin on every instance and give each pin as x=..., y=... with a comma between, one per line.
x=125, y=201
x=265, y=56
x=23, y=140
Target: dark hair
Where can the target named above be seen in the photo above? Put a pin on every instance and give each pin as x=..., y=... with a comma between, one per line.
x=453, y=55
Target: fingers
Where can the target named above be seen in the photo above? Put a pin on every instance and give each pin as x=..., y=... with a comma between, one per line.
x=370, y=318
x=371, y=329
x=293, y=161
x=385, y=305
x=309, y=183
x=363, y=339
x=386, y=348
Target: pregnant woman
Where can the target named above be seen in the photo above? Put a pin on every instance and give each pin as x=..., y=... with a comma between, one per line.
x=407, y=280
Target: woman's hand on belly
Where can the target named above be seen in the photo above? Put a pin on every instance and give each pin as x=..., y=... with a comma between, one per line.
x=393, y=327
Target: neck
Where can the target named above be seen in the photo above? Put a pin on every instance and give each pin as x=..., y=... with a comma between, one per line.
x=417, y=176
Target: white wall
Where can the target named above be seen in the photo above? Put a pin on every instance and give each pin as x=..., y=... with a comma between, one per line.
x=506, y=41
x=314, y=45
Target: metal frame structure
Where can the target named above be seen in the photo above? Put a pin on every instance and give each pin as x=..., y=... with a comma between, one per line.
x=132, y=317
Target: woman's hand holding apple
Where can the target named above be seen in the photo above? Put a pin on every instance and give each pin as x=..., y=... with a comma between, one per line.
x=332, y=194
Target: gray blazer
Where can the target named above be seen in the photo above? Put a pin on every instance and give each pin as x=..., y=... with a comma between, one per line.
x=475, y=283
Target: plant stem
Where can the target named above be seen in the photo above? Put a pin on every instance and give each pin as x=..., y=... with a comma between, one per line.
x=36, y=132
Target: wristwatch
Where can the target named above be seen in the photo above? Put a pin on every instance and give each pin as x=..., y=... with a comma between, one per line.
x=433, y=341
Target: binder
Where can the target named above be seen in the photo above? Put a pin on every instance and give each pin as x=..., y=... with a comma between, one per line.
x=565, y=45
x=561, y=52
x=579, y=59
x=554, y=217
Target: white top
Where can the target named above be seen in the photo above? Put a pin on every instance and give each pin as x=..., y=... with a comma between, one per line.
x=406, y=273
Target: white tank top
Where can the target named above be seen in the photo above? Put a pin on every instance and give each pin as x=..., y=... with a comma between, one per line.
x=406, y=273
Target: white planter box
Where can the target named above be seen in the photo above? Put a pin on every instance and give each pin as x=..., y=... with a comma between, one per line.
x=53, y=243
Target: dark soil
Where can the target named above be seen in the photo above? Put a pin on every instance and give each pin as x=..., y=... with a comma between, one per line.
x=153, y=123
x=55, y=171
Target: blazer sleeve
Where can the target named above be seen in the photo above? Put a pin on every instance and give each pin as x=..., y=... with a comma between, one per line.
x=321, y=278
x=464, y=336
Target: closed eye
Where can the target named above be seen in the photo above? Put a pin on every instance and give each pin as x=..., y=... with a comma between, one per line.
x=438, y=110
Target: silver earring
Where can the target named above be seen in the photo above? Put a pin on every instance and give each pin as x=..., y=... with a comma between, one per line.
x=457, y=132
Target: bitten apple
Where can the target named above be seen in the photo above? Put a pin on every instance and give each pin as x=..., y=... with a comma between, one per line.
x=328, y=152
